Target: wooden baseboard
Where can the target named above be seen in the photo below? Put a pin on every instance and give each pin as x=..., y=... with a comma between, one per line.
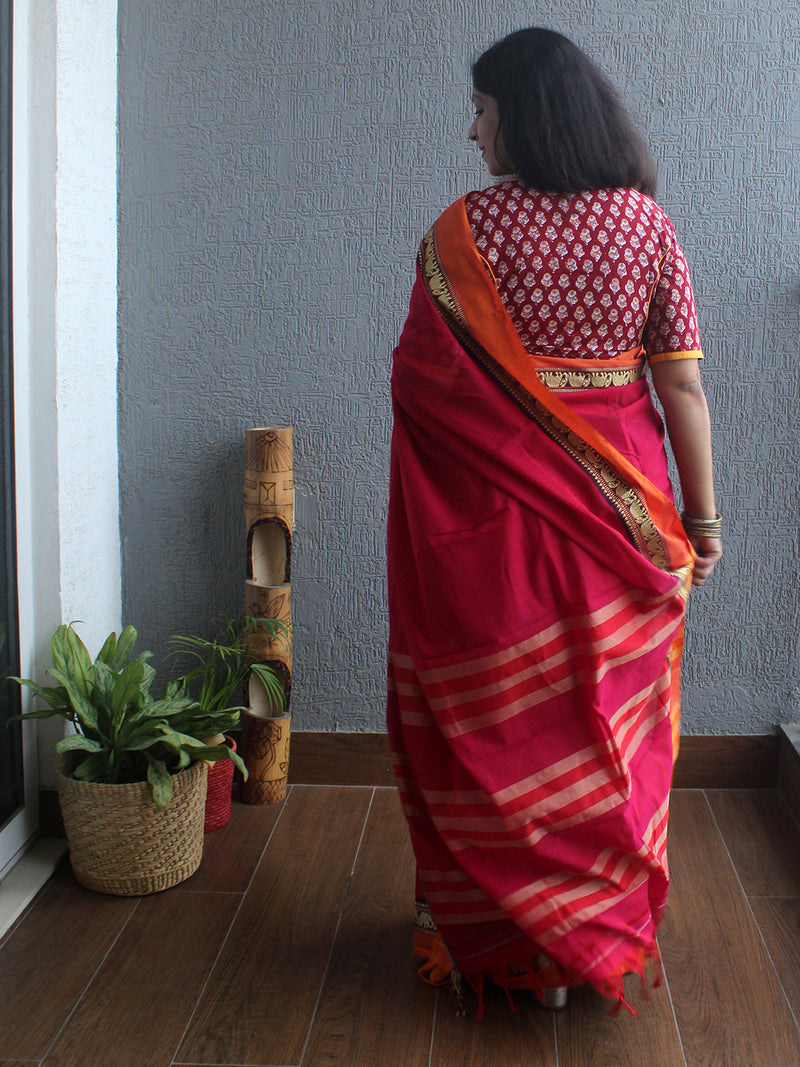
x=789, y=766
x=727, y=761
x=705, y=762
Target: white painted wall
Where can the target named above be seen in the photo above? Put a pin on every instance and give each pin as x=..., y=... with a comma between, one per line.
x=65, y=365
x=65, y=304
x=86, y=314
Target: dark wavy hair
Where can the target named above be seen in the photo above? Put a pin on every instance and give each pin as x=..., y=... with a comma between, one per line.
x=564, y=127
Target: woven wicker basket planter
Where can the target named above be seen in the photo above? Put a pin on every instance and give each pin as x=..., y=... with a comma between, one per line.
x=119, y=841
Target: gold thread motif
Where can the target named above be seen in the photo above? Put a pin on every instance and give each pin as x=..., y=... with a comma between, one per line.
x=624, y=496
x=561, y=380
x=436, y=281
x=626, y=500
x=423, y=920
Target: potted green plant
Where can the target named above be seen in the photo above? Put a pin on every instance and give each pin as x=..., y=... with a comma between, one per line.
x=131, y=779
x=221, y=667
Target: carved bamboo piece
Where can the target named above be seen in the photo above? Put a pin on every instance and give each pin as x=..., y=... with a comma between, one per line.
x=269, y=517
x=269, y=476
x=270, y=602
x=266, y=746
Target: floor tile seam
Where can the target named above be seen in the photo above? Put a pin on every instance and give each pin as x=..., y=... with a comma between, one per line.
x=91, y=980
x=672, y=1004
x=324, y=978
x=345, y=896
x=794, y=819
x=234, y=917
x=793, y=815
x=737, y=789
x=210, y=892
x=731, y=860
x=755, y=920
x=433, y=1026
x=340, y=785
x=361, y=839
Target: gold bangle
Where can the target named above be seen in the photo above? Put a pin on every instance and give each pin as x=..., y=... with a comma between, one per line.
x=702, y=527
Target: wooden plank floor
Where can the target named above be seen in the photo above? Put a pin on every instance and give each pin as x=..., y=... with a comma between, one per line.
x=290, y=947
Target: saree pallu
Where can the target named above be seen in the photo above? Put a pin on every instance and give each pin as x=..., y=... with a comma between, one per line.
x=538, y=573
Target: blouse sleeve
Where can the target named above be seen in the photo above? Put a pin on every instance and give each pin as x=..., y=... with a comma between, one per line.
x=671, y=330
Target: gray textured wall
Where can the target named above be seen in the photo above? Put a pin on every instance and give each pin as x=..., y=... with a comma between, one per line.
x=278, y=165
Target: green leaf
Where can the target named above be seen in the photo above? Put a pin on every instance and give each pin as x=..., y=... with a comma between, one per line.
x=175, y=740
x=200, y=726
x=81, y=704
x=124, y=651
x=219, y=752
x=238, y=763
x=207, y=752
x=106, y=653
x=148, y=676
x=169, y=706
x=95, y=768
x=32, y=715
x=127, y=689
x=54, y=695
x=59, y=647
x=175, y=689
x=273, y=686
x=77, y=742
x=70, y=655
x=161, y=780
x=104, y=680
x=148, y=740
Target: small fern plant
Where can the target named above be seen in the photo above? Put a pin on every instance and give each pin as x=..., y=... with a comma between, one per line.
x=221, y=666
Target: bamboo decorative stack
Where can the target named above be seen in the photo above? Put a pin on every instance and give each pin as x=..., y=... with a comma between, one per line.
x=269, y=517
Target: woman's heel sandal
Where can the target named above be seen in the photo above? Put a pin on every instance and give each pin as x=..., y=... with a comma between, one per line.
x=554, y=999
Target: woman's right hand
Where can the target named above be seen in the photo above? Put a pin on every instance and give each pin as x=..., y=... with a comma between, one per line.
x=709, y=552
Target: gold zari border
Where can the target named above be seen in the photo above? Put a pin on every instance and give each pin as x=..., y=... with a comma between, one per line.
x=435, y=280
x=563, y=380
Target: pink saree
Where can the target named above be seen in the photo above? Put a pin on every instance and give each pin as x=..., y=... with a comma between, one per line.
x=538, y=573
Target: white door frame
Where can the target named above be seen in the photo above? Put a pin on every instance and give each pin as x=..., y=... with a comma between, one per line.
x=17, y=835
x=64, y=278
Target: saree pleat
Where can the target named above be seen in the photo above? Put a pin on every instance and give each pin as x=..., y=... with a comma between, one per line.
x=538, y=574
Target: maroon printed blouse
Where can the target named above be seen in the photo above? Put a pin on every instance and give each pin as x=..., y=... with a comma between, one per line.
x=587, y=275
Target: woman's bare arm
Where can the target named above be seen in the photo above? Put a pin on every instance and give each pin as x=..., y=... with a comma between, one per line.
x=678, y=386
